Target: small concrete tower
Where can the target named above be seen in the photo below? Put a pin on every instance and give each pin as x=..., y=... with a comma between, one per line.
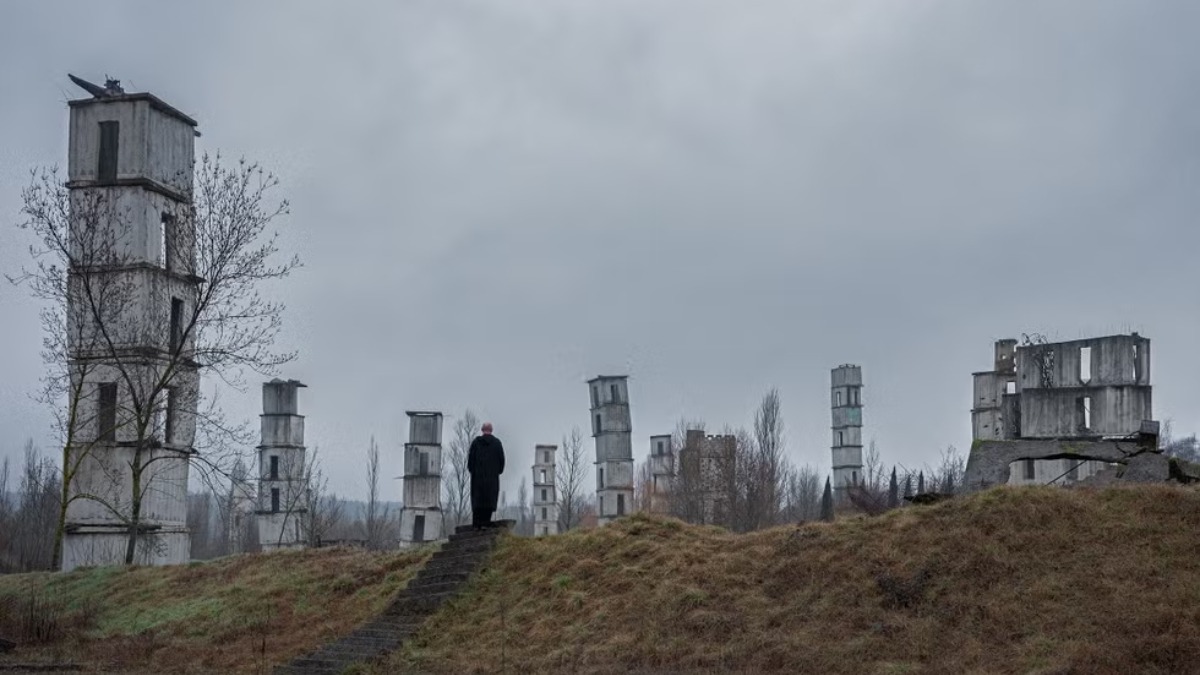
x=129, y=174
x=545, y=496
x=421, y=513
x=614, y=446
x=282, y=495
x=662, y=470
x=846, y=395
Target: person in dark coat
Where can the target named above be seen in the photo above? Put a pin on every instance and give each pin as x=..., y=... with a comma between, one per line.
x=485, y=462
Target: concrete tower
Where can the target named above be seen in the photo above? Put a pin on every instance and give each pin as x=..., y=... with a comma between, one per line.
x=130, y=180
x=421, y=513
x=614, y=446
x=282, y=490
x=846, y=395
x=545, y=497
x=662, y=470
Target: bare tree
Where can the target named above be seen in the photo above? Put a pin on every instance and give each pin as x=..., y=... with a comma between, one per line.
x=951, y=471
x=765, y=502
x=524, y=522
x=458, y=482
x=323, y=510
x=571, y=471
x=377, y=514
x=643, y=487
x=687, y=490
x=802, y=500
x=156, y=349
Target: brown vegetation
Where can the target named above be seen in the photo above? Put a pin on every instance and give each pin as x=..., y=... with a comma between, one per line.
x=241, y=614
x=1039, y=580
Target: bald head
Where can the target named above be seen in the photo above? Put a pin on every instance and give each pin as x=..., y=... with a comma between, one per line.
x=487, y=427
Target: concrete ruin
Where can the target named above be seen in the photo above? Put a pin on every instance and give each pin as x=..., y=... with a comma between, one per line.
x=846, y=409
x=421, y=516
x=545, y=496
x=241, y=506
x=706, y=466
x=1063, y=413
x=612, y=431
x=282, y=478
x=130, y=175
x=662, y=471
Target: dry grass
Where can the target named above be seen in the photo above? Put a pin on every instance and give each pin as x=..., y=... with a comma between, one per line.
x=1024, y=580
x=241, y=614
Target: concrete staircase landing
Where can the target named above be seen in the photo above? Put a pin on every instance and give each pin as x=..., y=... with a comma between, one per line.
x=440, y=579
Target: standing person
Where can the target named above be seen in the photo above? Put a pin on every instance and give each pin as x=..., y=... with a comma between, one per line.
x=485, y=462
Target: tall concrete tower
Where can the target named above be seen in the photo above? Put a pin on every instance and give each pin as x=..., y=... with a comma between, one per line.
x=846, y=395
x=545, y=497
x=421, y=513
x=662, y=470
x=130, y=176
x=282, y=490
x=614, y=446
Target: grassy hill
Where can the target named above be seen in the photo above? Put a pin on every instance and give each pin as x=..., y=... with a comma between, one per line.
x=1028, y=580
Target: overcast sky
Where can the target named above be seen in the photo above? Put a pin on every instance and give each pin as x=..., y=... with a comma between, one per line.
x=495, y=201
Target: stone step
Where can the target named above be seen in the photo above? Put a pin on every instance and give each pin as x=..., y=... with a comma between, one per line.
x=429, y=578
x=468, y=535
x=418, y=606
x=432, y=589
x=481, y=544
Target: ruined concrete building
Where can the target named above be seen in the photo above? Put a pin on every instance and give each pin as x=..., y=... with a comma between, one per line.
x=130, y=176
x=846, y=400
x=662, y=471
x=545, y=497
x=706, y=475
x=614, y=446
x=282, y=478
x=421, y=517
x=1046, y=402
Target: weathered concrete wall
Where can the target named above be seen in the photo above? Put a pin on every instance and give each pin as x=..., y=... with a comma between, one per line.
x=93, y=547
x=152, y=144
x=421, y=518
x=846, y=425
x=612, y=431
x=990, y=462
x=1055, y=413
x=545, y=493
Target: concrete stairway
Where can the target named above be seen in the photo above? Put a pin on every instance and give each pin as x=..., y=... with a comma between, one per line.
x=440, y=579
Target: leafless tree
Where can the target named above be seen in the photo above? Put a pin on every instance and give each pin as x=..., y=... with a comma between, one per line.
x=949, y=475
x=643, y=486
x=766, y=471
x=377, y=513
x=323, y=510
x=687, y=489
x=221, y=326
x=571, y=471
x=524, y=522
x=802, y=496
x=458, y=481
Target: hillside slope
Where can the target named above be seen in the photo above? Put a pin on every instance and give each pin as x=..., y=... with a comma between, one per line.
x=1028, y=580
x=240, y=614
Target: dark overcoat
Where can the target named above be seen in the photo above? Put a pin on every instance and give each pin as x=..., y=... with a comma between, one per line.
x=485, y=461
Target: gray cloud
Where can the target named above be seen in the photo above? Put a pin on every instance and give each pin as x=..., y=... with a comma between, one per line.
x=496, y=200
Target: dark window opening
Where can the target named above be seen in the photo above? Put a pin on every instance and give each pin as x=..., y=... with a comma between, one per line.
x=601, y=477
x=424, y=464
x=167, y=240
x=419, y=528
x=1137, y=366
x=1073, y=469
x=544, y=516
x=274, y=500
x=107, y=412
x=1029, y=469
x=176, y=324
x=110, y=133
x=616, y=394
x=841, y=439
x=1083, y=413
x=172, y=404
x=660, y=448
x=620, y=505
x=595, y=396
x=597, y=424
x=274, y=467
x=854, y=478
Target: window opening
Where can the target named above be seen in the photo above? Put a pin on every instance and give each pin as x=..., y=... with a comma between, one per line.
x=1085, y=364
x=419, y=528
x=837, y=399
x=106, y=169
x=1030, y=472
x=1010, y=387
x=597, y=424
x=107, y=413
x=176, y=324
x=274, y=467
x=172, y=404
x=274, y=500
x=616, y=394
x=620, y=505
